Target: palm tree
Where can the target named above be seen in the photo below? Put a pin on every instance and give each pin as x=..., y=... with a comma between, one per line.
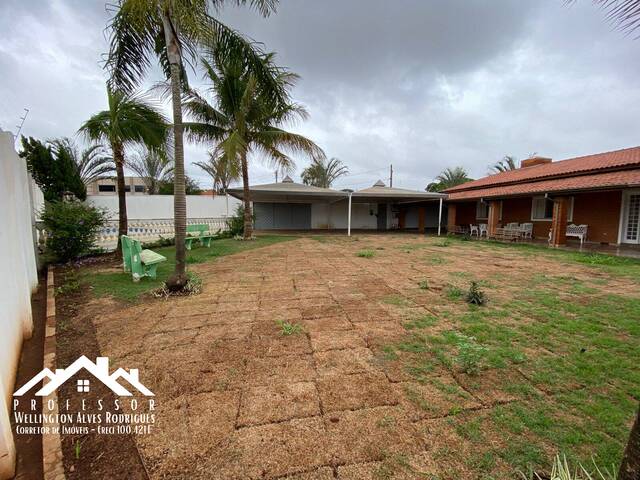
x=129, y=120
x=92, y=163
x=153, y=165
x=323, y=174
x=173, y=31
x=450, y=177
x=221, y=170
x=507, y=163
x=245, y=119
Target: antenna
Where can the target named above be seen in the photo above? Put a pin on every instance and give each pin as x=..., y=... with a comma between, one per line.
x=19, y=127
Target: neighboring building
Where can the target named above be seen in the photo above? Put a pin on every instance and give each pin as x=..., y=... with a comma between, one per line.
x=108, y=186
x=295, y=206
x=601, y=191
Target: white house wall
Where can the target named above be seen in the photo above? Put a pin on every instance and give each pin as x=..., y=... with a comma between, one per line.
x=147, y=207
x=335, y=216
x=18, y=278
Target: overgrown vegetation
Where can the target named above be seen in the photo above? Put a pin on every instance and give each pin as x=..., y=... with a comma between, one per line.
x=71, y=228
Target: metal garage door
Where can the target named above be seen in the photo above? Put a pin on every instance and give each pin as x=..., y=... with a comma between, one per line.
x=283, y=216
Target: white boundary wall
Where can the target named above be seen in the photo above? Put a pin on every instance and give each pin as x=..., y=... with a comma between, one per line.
x=147, y=207
x=18, y=278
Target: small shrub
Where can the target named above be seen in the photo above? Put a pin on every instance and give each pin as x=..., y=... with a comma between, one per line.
x=72, y=228
x=471, y=355
x=70, y=285
x=235, y=224
x=288, y=328
x=423, y=284
x=366, y=253
x=475, y=296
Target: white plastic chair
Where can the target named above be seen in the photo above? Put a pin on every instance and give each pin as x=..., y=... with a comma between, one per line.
x=483, y=230
x=527, y=230
x=474, y=228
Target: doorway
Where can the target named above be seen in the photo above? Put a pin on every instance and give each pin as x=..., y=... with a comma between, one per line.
x=631, y=217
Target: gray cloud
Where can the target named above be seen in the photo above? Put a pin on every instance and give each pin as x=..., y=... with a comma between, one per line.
x=422, y=85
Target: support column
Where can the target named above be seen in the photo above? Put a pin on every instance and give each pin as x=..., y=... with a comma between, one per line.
x=440, y=216
x=421, y=219
x=559, y=222
x=493, y=217
x=349, y=217
x=451, y=217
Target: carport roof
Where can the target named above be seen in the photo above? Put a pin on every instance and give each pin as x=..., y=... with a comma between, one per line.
x=289, y=191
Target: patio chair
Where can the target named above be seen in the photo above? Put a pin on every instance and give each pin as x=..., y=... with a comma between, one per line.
x=483, y=230
x=474, y=228
x=513, y=225
x=527, y=230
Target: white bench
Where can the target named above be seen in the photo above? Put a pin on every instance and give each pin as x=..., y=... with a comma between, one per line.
x=573, y=230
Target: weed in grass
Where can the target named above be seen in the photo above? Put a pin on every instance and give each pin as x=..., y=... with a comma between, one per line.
x=287, y=328
x=423, y=284
x=470, y=355
x=453, y=293
x=414, y=397
x=475, y=296
x=436, y=260
x=70, y=285
x=471, y=430
x=389, y=353
x=445, y=242
x=366, y=254
x=396, y=300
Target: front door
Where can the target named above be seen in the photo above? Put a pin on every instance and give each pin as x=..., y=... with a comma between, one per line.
x=631, y=225
x=382, y=216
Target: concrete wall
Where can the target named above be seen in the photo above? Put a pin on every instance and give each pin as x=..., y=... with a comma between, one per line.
x=18, y=278
x=145, y=207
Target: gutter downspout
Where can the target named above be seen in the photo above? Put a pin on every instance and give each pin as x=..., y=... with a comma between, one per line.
x=349, y=217
x=440, y=216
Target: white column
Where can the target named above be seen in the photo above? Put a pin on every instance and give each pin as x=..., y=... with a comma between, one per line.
x=349, y=217
x=440, y=216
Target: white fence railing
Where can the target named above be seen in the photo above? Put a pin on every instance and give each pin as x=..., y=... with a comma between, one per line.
x=153, y=229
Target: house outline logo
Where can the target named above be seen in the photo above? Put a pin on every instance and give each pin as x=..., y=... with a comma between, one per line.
x=99, y=369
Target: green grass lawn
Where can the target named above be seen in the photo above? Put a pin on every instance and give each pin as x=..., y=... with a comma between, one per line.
x=120, y=285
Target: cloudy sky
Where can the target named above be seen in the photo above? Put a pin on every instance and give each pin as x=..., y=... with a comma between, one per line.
x=422, y=85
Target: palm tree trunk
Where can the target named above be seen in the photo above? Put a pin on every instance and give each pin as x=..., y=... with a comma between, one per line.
x=179, y=278
x=246, y=197
x=630, y=466
x=118, y=158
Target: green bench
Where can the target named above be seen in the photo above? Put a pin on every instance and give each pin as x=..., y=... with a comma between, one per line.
x=199, y=232
x=141, y=263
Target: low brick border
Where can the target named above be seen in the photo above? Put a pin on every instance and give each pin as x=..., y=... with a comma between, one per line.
x=52, y=460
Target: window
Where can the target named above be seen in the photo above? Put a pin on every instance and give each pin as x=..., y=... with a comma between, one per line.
x=542, y=209
x=106, y=188
x=127, y=188
x=482, y=210
x=139, y=188
x=83, y=385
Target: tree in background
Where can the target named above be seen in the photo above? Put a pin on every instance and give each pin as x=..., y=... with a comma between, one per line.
x=221, y=170
x=152, y=165
x=92, y=163
x=245, y=118
x=450, y=177
x=173, y=31
x=507, y=163
x=55, y=172
x=191, y=187
x=322, y=173
x=129, y=121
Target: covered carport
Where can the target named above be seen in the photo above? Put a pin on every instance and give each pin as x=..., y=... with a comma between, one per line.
x=294, y=206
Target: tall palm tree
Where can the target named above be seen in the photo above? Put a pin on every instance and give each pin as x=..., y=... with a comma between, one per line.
x=92, y=163
x=507, y=163
x=154, y=166
x=173, y=31
x=129, y=120
x=245, y=119
x=221, y=170
x=449, y=177
x=323, y=174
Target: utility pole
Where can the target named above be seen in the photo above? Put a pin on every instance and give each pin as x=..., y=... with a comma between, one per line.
x=19, y=127
x=276, y=172
x=391, y=175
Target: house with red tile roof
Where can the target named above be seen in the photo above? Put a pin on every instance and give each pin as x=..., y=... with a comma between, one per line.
x=601, y=191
